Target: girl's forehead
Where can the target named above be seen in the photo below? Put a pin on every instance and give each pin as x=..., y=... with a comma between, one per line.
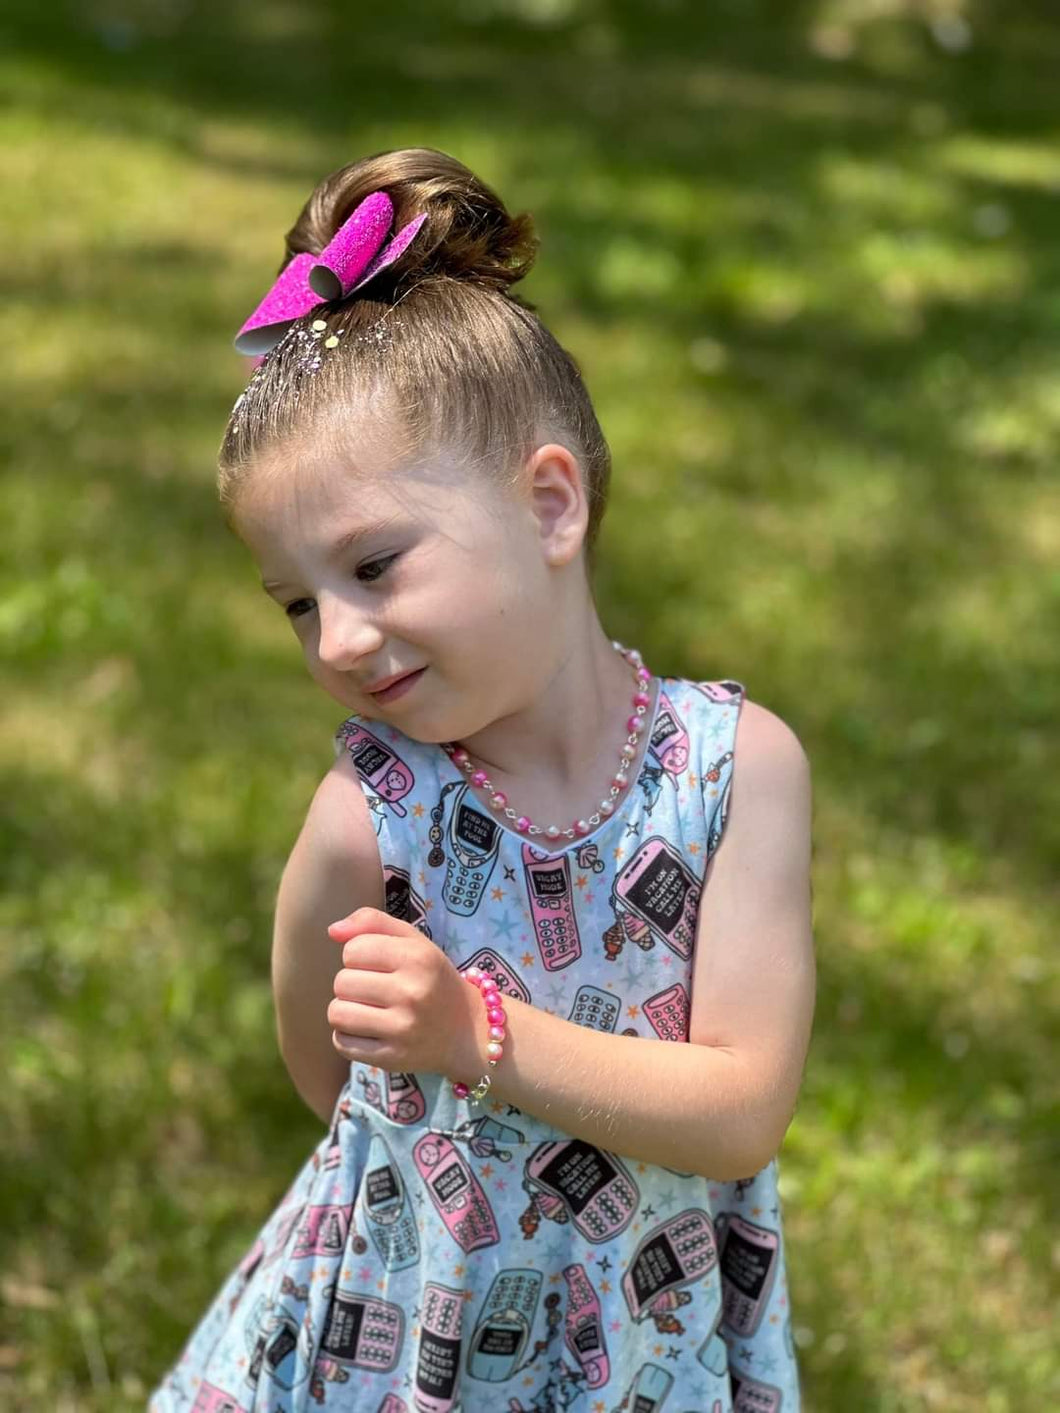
x=307, y=494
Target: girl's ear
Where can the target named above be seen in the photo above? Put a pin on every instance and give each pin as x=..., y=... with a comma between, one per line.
x=557, y=498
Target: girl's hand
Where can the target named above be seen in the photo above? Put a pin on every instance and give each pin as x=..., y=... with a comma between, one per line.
x=400, y=1003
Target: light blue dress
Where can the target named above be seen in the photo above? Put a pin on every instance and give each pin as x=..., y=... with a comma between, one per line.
x=437, y=1256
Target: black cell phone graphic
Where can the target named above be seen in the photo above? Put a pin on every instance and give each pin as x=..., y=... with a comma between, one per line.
x=748, y=1255
x=595, y=1008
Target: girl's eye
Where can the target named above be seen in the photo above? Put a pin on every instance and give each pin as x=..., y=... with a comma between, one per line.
x=298, y=607
x=374, y=564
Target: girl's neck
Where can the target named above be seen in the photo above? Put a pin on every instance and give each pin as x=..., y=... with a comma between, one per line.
x=567, y=741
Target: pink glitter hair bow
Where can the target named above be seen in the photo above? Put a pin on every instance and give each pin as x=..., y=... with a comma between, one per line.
x=356, y=253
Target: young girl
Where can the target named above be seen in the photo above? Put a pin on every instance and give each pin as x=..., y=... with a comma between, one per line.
x=555, y=1025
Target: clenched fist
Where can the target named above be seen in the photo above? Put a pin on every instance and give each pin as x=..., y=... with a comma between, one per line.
x=400, y=1003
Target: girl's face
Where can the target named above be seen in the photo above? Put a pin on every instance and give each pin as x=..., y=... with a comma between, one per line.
x=422, y=569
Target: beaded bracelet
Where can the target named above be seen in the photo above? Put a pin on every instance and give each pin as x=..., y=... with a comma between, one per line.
x=496, y=1016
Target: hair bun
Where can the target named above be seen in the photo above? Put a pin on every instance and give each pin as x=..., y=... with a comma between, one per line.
x=468, y=235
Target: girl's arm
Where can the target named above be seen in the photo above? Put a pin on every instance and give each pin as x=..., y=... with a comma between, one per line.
x=333, y=868
x=719, y=1106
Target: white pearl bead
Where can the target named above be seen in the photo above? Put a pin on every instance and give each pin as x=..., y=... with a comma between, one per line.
x=606, y=807
x=553, y=831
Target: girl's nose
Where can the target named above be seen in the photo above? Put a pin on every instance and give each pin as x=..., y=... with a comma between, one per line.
x=345, y=635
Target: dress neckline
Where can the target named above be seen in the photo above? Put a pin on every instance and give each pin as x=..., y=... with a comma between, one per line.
x=551, y=847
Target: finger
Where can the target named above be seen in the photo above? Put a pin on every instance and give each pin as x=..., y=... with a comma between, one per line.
x=369, y=920
x=371, y=988
x=368, y=1022
x=370, y=952
x=357, y=1047
x=360, y=920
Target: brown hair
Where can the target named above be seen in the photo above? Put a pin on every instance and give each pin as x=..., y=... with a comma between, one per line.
x=437, y=351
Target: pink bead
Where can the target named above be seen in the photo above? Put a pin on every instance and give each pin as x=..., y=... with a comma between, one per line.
x=474, y=975
x=479, y=777
x=641, y=699
x=491, y=998
x=496, y=1015
x=496, y=1032
x=620, y=781
x=498, y=799
x=635, y=723
x=522, y=823
x=460, y=755
x=461, y=1090
x=643, y=674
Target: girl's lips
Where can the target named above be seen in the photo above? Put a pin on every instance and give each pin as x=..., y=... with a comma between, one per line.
x=398, y=688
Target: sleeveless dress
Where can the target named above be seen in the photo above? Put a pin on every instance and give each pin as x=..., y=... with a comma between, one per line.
x=438, y=1256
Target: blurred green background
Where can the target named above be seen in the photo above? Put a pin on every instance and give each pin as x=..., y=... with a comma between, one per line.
x=808, y=254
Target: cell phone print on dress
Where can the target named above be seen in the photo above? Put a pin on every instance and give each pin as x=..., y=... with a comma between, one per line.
x=377, y=765
x=386, y=1209
x=502, y=1330
x=456, y=1192
x=593, y=1187
x=438, y=1361
x=675, y=1253
x=748, y=1268
x=596, y=1008
x=474, y=842
x=548, y=885
x=669, y=738
x=657, y=887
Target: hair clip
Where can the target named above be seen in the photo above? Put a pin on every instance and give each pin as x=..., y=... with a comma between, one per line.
x=354, y=255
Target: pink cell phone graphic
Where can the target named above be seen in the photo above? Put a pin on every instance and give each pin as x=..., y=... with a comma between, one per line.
x=750, y=1396
x=749, y=1256
x=401, y=899
x=499, y=972
x=362, y=1331
x=657, y=887
x=669, y=738
x=376, y=764
x=584, y=1332
x=592, y=1184
x=438, y=1360
x=668, y=1012
x=673, y=1254
x=548, y=887
x=724, y=690
x=322, y=1232
x=214, y=1400
x=456, y=1192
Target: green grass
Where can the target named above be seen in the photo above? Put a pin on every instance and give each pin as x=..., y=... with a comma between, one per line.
x=810, y=263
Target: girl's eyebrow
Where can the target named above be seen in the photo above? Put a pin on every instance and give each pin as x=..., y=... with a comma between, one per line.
x=343, y=543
